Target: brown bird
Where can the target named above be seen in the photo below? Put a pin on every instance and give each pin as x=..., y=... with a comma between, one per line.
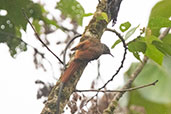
x=86, y=51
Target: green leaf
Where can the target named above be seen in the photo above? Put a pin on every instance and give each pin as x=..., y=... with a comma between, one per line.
x=142, y=104
x=136, y=55
x=161, y=10
x=161, y=92
x=167, y=39
x=149, y=47
x=167, y=64
x=105, y=17
x=71, y=9
x=159, y=22
x=37, y=25
x=116, y=42
x=125, y=26
x=88, y=14
x=153, y=53
x=167, y=44
x=150, y=39
x=163, y=47
x=131, y=32
x=50, y=22
x=128, y=34
x=102, y=16
x=136, y=46
x=14, y=21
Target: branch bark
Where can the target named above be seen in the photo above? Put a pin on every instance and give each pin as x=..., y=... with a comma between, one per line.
x=95, y=29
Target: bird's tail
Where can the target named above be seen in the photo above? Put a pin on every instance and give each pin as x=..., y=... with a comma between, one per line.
x=61, y=86
x=73, y=66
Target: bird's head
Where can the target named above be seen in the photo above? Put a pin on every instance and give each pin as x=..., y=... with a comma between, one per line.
x=106, y=50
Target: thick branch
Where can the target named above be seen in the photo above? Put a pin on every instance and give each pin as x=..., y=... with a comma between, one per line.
x=95, y=29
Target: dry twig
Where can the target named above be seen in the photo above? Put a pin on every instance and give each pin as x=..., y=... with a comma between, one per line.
x=123, y=90
x=112, y=106
x=65, y=50
x=38, y=37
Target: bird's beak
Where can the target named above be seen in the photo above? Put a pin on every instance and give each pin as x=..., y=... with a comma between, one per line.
x=111, y=54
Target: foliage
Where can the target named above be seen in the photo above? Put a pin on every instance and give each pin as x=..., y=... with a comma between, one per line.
x=150, y=107
x=154, y=100
x=145, y=45
x=72, y=9
x=150, y=45
x=102, y=16
x=159, y=17
x=158, y=97
x=123, y=27
x=14, y=21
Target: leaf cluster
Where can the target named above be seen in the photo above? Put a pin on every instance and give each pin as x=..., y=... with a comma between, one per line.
x=149, y=44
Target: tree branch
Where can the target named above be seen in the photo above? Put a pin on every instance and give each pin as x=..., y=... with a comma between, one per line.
x=118, y=95
x=65, y=50
x=122, y=62
x=112, y=106
x=164, y=33
x=95, y=29
x=123, y=90
x=37, y=35
x=124, y=56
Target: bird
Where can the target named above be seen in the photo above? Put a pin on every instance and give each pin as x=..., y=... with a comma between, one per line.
x=86, y=51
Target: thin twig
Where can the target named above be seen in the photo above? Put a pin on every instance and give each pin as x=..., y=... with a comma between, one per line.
x=118, y=95
x=18, y=38
x=65, y=50
x=122, y=62
x=123, y=90
x=37, y=35
x=124, y=56
x=132, y=78
x=164, y=33
x=90, y=31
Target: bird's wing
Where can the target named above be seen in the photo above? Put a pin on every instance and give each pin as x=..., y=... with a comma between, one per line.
x=81, y=46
